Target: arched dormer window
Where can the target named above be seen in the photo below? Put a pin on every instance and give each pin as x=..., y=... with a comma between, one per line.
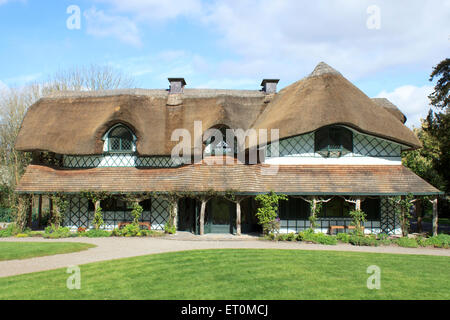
x=333, y=141
x=120, y=139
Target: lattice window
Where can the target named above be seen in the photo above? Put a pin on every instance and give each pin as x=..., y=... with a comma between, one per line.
x=119, y=160
x=375, y=147
x=120, y=139
x=389, y=221
x=298, y=146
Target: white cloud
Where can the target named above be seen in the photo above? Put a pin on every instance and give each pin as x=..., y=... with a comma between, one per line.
x=155, y=10
x=411, y=100
x=288, y=38
x=105, y=25
x=294, y=35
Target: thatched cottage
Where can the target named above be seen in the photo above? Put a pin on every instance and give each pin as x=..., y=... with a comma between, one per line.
x=327, y=142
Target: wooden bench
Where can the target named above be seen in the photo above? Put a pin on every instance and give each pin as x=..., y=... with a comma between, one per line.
x=331, y=228
x=144, y=224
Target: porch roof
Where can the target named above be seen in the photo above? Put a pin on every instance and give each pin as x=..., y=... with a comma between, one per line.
x=244, y=179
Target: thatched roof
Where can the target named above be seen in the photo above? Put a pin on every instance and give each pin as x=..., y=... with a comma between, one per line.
x=392, y=108
x=325, y=97
x=75, y=122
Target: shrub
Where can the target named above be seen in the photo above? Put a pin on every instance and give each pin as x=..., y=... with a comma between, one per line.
x=267, y=212
x=270, y=236
x=10, y=231
x=343, y=237
x=132, y=230
x=290, y=237
x=383, y=239
x=407, y=242
x=321, y=238
x=169, y=228
x=282, y=237
x=54, y=232
x=359, y=217
x=96, y=233
x=360, y=240
x=21, y=235
x=439, y=241
x=81, y=230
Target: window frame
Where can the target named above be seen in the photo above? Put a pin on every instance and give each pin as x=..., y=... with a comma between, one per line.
x=108, y=138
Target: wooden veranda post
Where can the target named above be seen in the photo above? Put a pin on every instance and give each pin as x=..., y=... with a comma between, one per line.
x=175, y=214
x=435, y=216
x=30, y=211
x=202, y=216
x=40, y=211
x=358, y=204
x=238, y=218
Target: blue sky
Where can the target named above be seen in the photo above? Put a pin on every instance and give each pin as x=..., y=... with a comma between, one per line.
x=387, y=50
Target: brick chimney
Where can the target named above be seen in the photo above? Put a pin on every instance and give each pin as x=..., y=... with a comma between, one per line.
x=176, y=85
x=270, y=85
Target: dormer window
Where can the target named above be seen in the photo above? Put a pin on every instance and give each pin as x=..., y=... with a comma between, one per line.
x=120, y=139
x=333, y=142
x=216, y=143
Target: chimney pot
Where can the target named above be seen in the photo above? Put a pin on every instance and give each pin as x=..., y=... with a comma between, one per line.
x=270, y=85
x=176, y=85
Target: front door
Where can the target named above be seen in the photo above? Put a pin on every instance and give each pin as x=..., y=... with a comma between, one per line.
x=219, y=216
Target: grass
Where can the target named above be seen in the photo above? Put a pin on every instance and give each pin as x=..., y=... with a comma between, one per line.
x=24, y=250
x=243, y=274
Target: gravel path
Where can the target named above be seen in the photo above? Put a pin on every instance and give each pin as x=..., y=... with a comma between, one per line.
x=115, y=248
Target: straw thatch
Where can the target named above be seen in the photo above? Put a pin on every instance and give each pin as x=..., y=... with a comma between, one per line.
x=324, y=98
x=75, y=122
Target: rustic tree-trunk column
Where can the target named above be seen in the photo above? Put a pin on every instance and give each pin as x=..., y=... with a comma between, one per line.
x=435, y=217
x=313, y=211
x=418, y=209
x=175, y=214
x=358, y=204
x=50, y=205
x=40, y=211
x=202, y=216
x=30, y=211
x=238, y=218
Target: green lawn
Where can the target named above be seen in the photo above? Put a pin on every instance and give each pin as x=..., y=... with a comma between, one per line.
x=243, y=274
x=24, y=250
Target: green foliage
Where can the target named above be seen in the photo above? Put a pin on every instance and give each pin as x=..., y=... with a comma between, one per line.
x=136, y=213
x=407, y=242
x=132, y=230
x=359, y=217
x=321, y=238
x=98, y=218
x=438, y=123
x=55, y=232
x=316, y=208
x=383, y=239
x=361, y=240
x=343, y=237
x=439, y=241
x=286, y=236
x=170, y=229
x=402, y=206
x=62, y=204
x=6, y=215
x=267, y=212
x=10, y=231
x=96, y=233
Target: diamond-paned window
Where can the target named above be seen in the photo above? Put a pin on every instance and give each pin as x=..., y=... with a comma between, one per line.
x=333, y=141
x=120, y=139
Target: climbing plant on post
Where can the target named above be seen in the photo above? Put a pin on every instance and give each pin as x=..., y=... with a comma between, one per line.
x=95, y=198
x=267, y=212
x=402, y=206
x=204, y=197
x=62, y=204
x=21, y=210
